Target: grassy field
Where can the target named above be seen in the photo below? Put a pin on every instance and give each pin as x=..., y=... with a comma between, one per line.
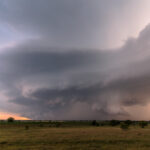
x=14, y=137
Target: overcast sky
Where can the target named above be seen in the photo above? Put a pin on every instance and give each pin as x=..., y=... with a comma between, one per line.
x=75, y=59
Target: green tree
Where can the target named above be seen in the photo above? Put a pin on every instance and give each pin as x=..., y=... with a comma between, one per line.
x=95, y=123
x=143, y=124
x=10, y=119
x=114, y=122
x=129, y=122
x=124, y=126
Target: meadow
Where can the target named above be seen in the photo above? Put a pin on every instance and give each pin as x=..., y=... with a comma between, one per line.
x=72, y=136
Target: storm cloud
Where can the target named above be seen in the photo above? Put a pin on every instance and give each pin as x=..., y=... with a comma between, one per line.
x=59, y=60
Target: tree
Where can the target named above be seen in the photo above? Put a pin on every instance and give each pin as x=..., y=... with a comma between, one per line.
x=128, y=122
x=10, y=119
x=124, y=126
x=143, y=124
x=95, y=123
x=114, y=122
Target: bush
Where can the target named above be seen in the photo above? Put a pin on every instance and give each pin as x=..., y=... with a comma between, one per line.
x=95, y=123
x=26, y=127
x=128, y=122
x=114, y=122
x=41, y=125
x=124, y=126
x=57, y=124
x=143, y=124
x=10, y=119
x=101, y=123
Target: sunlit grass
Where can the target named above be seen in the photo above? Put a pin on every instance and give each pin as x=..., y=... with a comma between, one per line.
x=74, y=138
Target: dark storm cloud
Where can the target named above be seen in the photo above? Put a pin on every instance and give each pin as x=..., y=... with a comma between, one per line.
x=50, y=82
x=57, y=21
x=100, y=98
x=17, y=64
x=67, y=23
x=26, y=62
x=43, y=78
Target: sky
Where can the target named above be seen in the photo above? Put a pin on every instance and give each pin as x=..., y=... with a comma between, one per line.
x=75, y=59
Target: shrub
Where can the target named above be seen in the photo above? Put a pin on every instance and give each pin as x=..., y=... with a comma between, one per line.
x=41, y=125
x=57, y=124
x=143, y=124
x=101, y=123
x=26, y=127
x=128, y=122
x=95, y=123
x=114, y=122
x=124, y=126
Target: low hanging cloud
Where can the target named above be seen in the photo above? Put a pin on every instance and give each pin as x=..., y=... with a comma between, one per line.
x=55, y=83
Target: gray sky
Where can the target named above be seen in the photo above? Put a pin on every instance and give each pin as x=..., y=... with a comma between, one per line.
x=75, y=59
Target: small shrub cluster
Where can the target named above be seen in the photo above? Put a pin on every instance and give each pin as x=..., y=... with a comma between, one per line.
x=124, y=125
x=128, y=122
x=114, y=122
x=26, y=127
x=143, y=124
x=95, y=123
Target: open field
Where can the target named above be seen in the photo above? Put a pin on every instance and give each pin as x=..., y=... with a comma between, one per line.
x=43, y=137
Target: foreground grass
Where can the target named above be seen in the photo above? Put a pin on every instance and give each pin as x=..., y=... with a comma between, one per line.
x=71, y=138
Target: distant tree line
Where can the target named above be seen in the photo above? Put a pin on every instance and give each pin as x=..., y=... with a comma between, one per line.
x=126, y=124
x=123, y=124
